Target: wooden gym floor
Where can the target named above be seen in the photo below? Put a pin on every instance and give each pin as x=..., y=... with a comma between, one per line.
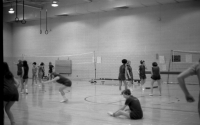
x=88, y=105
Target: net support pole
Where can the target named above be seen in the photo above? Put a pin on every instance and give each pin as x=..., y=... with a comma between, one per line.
x=95, y=73
x=169, y=66
x=170, y=60
x=94, y=66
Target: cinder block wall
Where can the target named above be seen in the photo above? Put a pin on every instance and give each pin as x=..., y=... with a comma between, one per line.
x=135, y=34
x=8, y=45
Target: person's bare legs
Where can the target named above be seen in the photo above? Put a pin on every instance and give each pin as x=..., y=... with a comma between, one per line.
x=181, y=79
x=63, y=93
x=142, y=83
x=26, y=85
x=43, y=87
x=50, y=76
x=36, y=79
x=152, y=82
x=159, y=86
x=39, y=79
x=125, y=84
x=7, y=106
x=32, y=79
x=128, y=84
x=131, y=85
x=120, y=85
x=22, y=86
x=123, y=113
x=20, y=80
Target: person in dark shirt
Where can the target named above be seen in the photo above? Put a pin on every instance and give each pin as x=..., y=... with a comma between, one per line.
x=142, y=74
x=134, y=111
x=41, y=73
x=19, y=71
x=122, y=74
x=63, y=81
x=10, y=92
x=50, y=70
x=129, y=75
x=155, y=76
x=34, y=73
x=19, y=67
x=192, y=70
x=25, y=70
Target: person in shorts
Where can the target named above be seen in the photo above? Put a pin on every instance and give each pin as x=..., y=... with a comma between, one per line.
x=142, y=74
x=192, y=70
x=34, y=73
x=134, y=111
x=50, y=70
x=155, y=76
x=65, y=82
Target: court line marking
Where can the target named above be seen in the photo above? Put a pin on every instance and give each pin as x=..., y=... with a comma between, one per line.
x=112, y=103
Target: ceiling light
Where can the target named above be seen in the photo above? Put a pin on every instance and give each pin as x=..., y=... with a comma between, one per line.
x=54, y=4
x=11, y=11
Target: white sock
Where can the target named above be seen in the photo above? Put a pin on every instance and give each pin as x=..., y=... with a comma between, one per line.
x=63, y=101
x=64, y=98
x=110, y=113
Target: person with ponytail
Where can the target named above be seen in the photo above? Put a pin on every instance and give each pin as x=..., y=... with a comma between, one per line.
x=25, y=70
x=142, y=74
x=122, y=74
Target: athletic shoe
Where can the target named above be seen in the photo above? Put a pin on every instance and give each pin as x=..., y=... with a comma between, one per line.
x=110, y=113
x=64, y=101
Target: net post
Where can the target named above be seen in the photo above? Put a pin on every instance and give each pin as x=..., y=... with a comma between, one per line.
x=169, y=66
x=170, y=60
x=94, y=72
x=94, y=66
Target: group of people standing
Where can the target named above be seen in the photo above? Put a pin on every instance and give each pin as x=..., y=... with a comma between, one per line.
x=11, y=94
x=22, y=73
x=135, y=110
x=126, y=75
x=38, y=73
x=41, y=72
